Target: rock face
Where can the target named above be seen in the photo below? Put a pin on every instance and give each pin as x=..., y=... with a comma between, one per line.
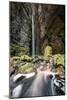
x=49, y=27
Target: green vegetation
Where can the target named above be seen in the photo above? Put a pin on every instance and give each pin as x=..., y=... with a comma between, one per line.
x=25, y=68
x=16, y=50
x=26, y=58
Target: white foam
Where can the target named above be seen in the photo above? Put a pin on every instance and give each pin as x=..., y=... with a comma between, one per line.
x=17, y=77
x=17, y=91
x=26, y=76
x=30, y=75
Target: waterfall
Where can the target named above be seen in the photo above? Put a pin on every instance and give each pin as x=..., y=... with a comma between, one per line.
x=33, y=37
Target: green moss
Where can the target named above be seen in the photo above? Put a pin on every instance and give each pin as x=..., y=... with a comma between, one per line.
x=60, y=69
x=29, y=70
x=25, y=68
x=15, y=58
x=26, y=58
x=38, y=58
x=58, y=59
x=47, y=52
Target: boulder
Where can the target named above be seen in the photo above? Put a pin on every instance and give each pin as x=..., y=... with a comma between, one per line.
x=47, y=52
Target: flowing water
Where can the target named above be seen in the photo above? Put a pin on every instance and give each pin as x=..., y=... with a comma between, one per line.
x=33, y=37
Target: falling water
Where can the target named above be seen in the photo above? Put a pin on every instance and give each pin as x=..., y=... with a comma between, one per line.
x=33, y=37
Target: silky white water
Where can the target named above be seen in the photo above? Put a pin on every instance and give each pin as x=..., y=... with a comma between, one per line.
x=33, y=37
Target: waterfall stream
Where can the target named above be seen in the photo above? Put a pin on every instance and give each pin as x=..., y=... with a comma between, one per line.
x=33, y=37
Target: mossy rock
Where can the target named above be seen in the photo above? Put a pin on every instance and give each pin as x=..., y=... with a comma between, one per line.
x=58, y=59
x=15, y=58
x=47, y=52
x=14, y=62
x=25, y=68
x=37, y=58
x=26, y=58
x=60, y=69
x=29, y=70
